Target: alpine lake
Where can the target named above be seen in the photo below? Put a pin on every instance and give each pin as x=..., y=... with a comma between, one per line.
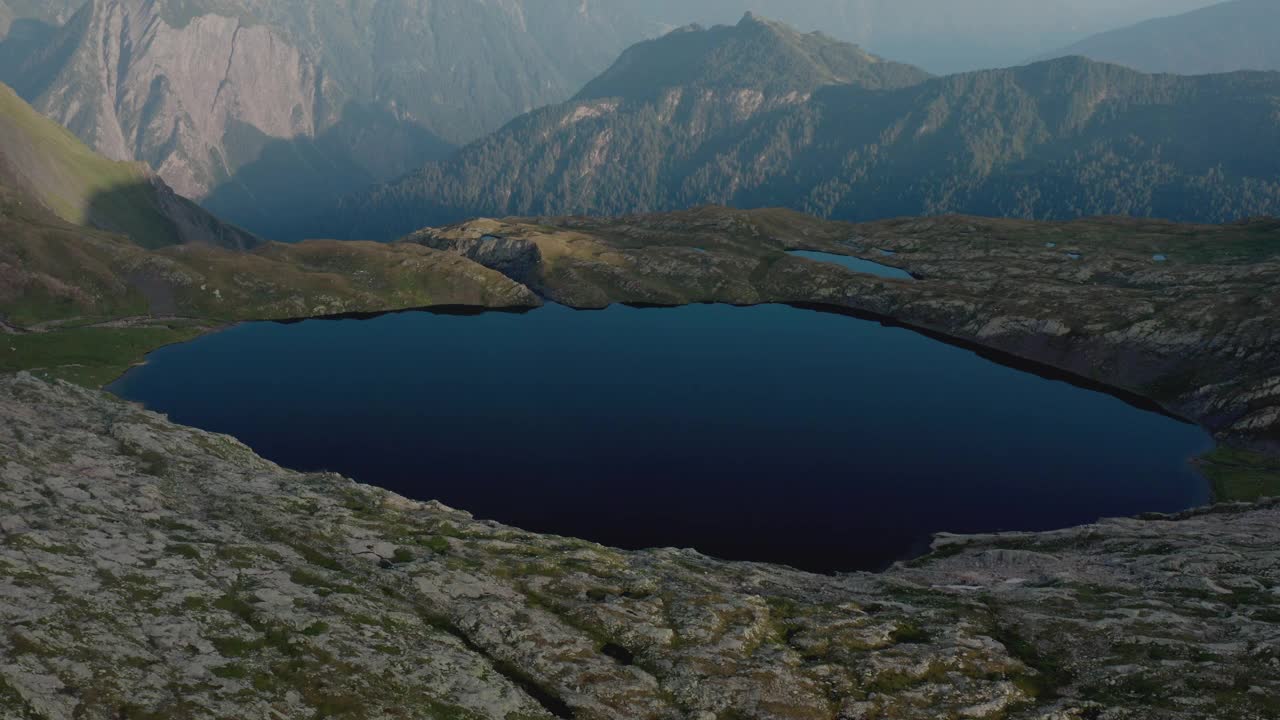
x=769, y=433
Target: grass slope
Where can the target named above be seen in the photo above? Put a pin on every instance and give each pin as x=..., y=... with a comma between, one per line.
x=99, y=263
x=45, y=162
x=84, y=304
x=53, y=164
x=1241, y=475
x=92, y=356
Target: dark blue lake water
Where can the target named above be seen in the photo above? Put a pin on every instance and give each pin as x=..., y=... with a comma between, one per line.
x=767, y=433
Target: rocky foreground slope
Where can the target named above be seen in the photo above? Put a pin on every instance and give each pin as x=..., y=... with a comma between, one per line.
x=149, y=570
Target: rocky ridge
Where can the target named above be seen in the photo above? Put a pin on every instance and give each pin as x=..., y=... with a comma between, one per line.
x=151, y=570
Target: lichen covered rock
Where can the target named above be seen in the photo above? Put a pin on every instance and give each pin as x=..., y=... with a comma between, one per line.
x=152, y=570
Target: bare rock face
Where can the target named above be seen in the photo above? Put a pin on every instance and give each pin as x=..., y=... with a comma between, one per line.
x=151, y=570
x=137, y=88
x=512, y=256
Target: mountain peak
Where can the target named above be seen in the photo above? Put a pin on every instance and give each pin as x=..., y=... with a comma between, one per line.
x=751, y=19
x=757, y=53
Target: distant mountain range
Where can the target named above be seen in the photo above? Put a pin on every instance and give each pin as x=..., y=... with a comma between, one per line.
x=45, y=169
x=364, y=92
x=942, y=36
x=258, y=108
x=822, y=127
x=1235, y=35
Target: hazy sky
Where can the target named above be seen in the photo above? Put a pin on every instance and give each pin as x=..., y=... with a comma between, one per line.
x=941, y=35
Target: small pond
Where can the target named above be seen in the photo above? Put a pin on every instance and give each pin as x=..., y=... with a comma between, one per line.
x=855, y=264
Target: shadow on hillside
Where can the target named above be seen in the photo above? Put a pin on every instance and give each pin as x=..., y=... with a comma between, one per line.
x=281, y=187
x=152, y=215
x=23, y=48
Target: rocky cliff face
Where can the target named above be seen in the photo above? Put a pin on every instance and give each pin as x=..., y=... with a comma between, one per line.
x=517, y=258
x=36, y=12
x=151, y=570
x=137, y=88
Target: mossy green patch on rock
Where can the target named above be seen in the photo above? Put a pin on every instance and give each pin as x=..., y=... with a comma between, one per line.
x=91, y=357
x=1241, y=475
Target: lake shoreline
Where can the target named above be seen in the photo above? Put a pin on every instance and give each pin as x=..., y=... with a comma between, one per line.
x=262, y=567
x=618, y=354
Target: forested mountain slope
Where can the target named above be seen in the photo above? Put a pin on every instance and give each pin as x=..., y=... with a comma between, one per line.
x=1054, y=140
x=663, y=107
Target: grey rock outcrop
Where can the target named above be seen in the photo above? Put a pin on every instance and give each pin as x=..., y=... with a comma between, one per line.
x=151, y=570
x=135, y=87
x=514, y=257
